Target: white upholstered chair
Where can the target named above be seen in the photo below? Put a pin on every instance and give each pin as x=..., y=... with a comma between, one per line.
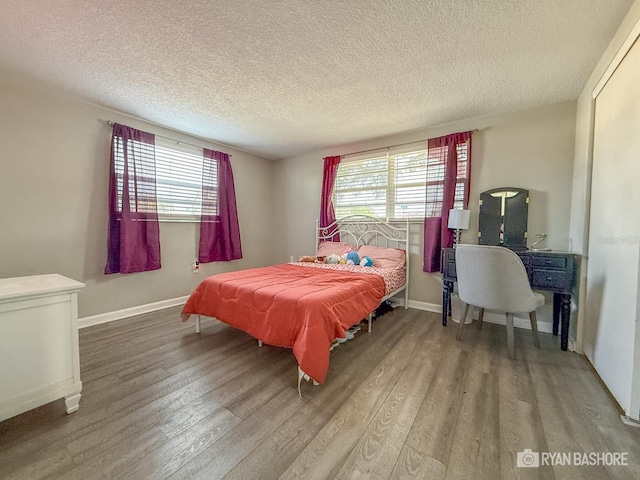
x=494, y=278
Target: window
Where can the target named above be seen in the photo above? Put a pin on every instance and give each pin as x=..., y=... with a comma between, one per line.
x=401, y=182
x=178, y=180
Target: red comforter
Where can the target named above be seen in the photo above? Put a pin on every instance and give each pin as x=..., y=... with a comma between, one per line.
x=290, y=306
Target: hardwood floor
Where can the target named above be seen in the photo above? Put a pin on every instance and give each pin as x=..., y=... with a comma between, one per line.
x=406, y=401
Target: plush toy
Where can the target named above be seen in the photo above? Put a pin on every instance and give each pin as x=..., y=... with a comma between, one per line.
x=310, y=259
x=333, y=258
x=366, y=262
x=353, y=258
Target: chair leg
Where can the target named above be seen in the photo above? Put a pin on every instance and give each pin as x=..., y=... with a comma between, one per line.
x=480, y=316
x=465, y=310
x=510, y=346
x=534, y=328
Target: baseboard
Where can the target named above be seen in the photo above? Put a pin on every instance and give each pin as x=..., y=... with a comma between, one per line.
x=629, y=421
x=518, y=322
x=129, y=312
x=490, y=317
x=427, y=307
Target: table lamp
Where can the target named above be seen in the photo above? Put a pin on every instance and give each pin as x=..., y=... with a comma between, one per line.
x=458, y=220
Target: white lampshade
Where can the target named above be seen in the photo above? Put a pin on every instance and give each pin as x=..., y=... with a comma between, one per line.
x=459, y=219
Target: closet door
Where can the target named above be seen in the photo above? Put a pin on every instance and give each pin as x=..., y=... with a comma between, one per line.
x=612, y=337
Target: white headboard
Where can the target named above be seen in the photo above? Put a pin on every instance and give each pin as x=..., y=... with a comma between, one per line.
x=365, y=230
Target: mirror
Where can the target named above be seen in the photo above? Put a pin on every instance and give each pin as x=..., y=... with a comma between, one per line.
x=503, y=217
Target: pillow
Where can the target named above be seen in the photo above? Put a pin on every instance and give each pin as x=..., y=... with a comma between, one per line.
x=383, y=257
x=327, y=248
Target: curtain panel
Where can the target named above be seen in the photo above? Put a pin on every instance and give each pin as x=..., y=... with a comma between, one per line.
x=219, y=229
x=133, y=244
x=327, y=211
x=436, y=234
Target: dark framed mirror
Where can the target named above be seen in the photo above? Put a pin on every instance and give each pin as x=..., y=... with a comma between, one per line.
x=503, y=217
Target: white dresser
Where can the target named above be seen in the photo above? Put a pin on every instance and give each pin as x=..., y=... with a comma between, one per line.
x=39, y=355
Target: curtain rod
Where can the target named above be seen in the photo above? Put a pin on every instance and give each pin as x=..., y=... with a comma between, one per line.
x=391, y=146
x=172, y=139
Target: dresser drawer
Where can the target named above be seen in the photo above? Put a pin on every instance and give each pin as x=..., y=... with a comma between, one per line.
x=549, y=261
x=550, y=279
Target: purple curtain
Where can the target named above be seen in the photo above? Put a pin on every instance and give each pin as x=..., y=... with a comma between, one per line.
x=436, y=234
x=327, y=212
x=219, y=230
x=133, y=244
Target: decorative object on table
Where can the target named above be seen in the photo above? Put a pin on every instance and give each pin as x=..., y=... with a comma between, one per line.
x=537, y=245
x=503, y=217
x=458, y=220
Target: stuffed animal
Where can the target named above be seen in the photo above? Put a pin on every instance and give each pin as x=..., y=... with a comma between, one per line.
x=333, y=258
x=366, y=262
x=310, y=258
x=353, y=258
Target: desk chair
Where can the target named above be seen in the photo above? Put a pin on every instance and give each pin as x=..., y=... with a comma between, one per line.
x=495, y=278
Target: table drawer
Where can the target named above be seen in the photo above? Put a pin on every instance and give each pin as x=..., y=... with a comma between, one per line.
x=549, y=261
x=451, y=269
x=551, y=279
x=448, y=267
x=525, y=259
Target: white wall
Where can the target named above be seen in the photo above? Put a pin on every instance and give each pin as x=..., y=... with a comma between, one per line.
x=581, y=179
x=54, y=161
x=531, y=149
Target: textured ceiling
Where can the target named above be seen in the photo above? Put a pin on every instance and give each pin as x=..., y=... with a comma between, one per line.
x=283, y=77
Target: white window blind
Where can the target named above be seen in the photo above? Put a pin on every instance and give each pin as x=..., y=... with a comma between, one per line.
x=178, y=180
x=178, y=173
x=400, y=182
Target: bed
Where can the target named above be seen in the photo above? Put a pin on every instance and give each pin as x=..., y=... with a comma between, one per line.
x=305, y=306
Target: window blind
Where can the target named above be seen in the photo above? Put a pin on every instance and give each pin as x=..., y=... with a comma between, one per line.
x=178, y=174
x=179, y=180
x=396, y=183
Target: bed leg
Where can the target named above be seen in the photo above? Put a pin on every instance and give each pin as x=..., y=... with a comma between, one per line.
x=304, y=376
x=301, y=375
x=259, y=343
x=370, y=318
x=198, y=324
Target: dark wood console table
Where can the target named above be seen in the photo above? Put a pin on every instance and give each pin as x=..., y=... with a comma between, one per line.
x=550, y=271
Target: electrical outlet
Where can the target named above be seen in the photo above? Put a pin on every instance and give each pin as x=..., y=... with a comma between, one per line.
x=195, y=267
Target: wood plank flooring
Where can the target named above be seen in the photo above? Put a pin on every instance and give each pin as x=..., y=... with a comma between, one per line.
x=406, y=401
